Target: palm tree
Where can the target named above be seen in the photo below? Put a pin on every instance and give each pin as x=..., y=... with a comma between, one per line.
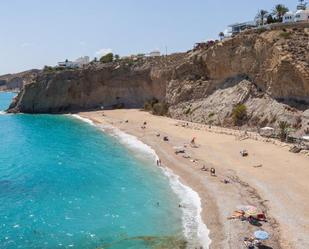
x=221, y=35
x=302, y=5
x=261, y=16
x=279, y=11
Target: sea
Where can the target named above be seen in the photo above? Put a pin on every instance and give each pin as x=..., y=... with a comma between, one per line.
x=67, y=183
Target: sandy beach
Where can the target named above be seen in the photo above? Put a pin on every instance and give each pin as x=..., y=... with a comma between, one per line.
x=271, y=178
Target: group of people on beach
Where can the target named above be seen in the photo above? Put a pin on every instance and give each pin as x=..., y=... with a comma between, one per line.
x=212, y=170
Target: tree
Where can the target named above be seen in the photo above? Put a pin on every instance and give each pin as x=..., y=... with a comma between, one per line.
x=279, y=10
x=270, y=19
x=221, y=35
x=47, y=68
x=107, y=58
x=261, y=16
x=117, y=57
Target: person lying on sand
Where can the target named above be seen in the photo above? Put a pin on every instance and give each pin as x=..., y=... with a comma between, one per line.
x=204, y=168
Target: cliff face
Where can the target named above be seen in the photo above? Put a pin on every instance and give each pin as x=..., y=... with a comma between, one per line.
x=268, y=71
x=94, y=87
x=16, y=81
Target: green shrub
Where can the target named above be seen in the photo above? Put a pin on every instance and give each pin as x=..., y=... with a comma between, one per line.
x=160, y=109
x=107, y=58
x=239, y=114
x=285, y=35
x=156, y=107
x=148, y=106
x=48, y=69
x=261, y=30
x=195, y=108
x=188, y=111
x=284, y=129
x=210, y=115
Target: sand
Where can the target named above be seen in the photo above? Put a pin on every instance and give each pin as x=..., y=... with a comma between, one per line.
x=271, y=177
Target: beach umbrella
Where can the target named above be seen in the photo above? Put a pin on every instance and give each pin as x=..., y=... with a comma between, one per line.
x=252, y=212
x=246, y=207
x=261, y=235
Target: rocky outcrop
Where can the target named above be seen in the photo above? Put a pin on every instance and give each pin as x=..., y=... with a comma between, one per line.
x=268, y=71
x=15, y=82
x=94, y=87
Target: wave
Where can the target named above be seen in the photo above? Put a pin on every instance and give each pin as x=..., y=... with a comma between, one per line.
x=86, y=120
x=5, y=113
x=193, y=225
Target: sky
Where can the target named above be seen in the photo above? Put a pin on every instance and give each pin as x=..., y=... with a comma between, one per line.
x=35, y=33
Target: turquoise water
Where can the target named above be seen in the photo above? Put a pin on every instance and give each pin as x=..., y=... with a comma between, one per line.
x=65, y=184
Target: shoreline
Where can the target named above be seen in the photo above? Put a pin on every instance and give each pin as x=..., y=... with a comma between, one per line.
x=219, y=199
x=191, y=212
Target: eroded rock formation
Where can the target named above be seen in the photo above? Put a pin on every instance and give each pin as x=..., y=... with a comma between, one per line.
x=16, y=81
x=268, y=71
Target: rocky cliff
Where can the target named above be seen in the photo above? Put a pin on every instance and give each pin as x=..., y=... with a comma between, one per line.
x=15, y=82
x=265, y=70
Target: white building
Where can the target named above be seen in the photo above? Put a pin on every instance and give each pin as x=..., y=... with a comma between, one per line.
x=79, y=62
x=302, y=15
x=288, y=17
x=154, y=53
x=236, y=28
x=67, y=64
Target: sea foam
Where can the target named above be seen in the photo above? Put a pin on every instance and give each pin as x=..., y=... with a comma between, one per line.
x=193, y=226
x=87, y=120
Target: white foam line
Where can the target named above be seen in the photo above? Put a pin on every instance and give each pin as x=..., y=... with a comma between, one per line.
x=194, y=227
x=87, y=120
x=3, y=113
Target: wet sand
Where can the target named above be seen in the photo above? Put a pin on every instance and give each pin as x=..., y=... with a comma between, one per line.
x=271, y=178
